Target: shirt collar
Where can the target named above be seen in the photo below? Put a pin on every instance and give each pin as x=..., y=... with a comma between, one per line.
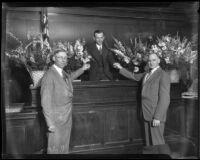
x=153, y=70
x=58, y=69
x=98, y=46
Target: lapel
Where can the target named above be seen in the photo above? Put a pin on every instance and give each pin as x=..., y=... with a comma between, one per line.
x=103, y=51
x=96, y=53
x=153, y=76
x=66, y=85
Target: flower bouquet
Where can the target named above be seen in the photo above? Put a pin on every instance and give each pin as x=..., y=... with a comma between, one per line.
x=175, y=53
x=38, y=53
x=77, y=53
x=35, y=56
x=131, y=57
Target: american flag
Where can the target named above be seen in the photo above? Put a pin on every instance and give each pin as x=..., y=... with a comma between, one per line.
x=44, y=24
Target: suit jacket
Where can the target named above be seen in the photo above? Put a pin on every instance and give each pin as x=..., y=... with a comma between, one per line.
x=155, y=93
x=56, y=96
x=100, y=63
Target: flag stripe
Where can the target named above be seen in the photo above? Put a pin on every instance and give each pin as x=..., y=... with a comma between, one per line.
x=44, y=24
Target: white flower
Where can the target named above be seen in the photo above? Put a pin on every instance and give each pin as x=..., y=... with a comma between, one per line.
x=172, y=48
x=79, y=54
x=135, y=62
x=164, y=48
x=85, y=60
x=182, y=51
x=126, y=59
x=159, y=53
x=167, y=60
x=155, y=48
x=136, y=69
x=167, y=38
x=78, y=47
x=32, y=59
x=139, y=55
x=161, y=44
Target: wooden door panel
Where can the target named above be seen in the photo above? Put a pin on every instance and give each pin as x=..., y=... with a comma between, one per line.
x=116, y=126
x=87, y=128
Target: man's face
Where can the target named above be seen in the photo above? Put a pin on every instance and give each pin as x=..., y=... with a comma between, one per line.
x=99, y=37
x=153, y=61
x=60, y=59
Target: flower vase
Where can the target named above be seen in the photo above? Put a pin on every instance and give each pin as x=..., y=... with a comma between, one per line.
x=37, y=77
x=174, y=75
x=35, y=90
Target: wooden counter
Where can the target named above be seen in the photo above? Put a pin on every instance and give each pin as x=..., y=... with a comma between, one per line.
x=105, y=120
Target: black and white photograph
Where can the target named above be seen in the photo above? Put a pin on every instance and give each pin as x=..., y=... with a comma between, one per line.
x=90, y=80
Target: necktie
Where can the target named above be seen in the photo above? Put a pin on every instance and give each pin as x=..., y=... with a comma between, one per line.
x=64, y=75
x=148, y=75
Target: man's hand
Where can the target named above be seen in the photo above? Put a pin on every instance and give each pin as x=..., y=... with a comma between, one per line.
x=117, y=65
x=51, y=129
x=86, y=66
x=155, y=122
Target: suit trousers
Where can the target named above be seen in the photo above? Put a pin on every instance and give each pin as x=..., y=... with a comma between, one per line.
x=154, y=135
x=58, y=141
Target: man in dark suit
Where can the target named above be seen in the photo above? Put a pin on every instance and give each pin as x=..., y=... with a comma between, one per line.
x=102, y=59
x=155, y=99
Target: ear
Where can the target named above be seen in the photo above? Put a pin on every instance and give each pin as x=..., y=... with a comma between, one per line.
x=93, y=38
x=158, y=60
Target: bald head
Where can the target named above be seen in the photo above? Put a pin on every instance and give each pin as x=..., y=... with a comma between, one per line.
x=153, y=60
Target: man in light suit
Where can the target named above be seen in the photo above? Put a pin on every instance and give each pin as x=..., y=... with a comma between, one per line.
x=155, y=99
x=56, y=101
x=102, y=59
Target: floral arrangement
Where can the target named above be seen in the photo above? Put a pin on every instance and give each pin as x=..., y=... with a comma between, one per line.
x=176, y=54
x=131, y=56
x=35, y=55
x=174, y=51
x=77, y=53
x=14, y=53
x=122, y=52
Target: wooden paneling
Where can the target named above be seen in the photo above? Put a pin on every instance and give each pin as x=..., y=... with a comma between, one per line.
x=16, y=139
x=106, y=119
x=24, y=134
x=116, y=126
x=87, y=129
x=21, y=22
x=70, y=23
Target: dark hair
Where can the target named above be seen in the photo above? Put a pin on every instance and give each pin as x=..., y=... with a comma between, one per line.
x=98, y=31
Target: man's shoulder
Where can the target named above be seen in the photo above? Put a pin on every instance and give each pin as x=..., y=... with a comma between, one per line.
x=165, y=75
x=49, y=72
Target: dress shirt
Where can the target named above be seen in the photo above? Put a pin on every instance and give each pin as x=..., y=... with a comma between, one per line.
x=58, y=69
x=150, y=73
x=99, y=47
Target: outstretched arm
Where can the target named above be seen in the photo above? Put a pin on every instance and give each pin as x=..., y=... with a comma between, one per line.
x=128, y=74
x=80, y=71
